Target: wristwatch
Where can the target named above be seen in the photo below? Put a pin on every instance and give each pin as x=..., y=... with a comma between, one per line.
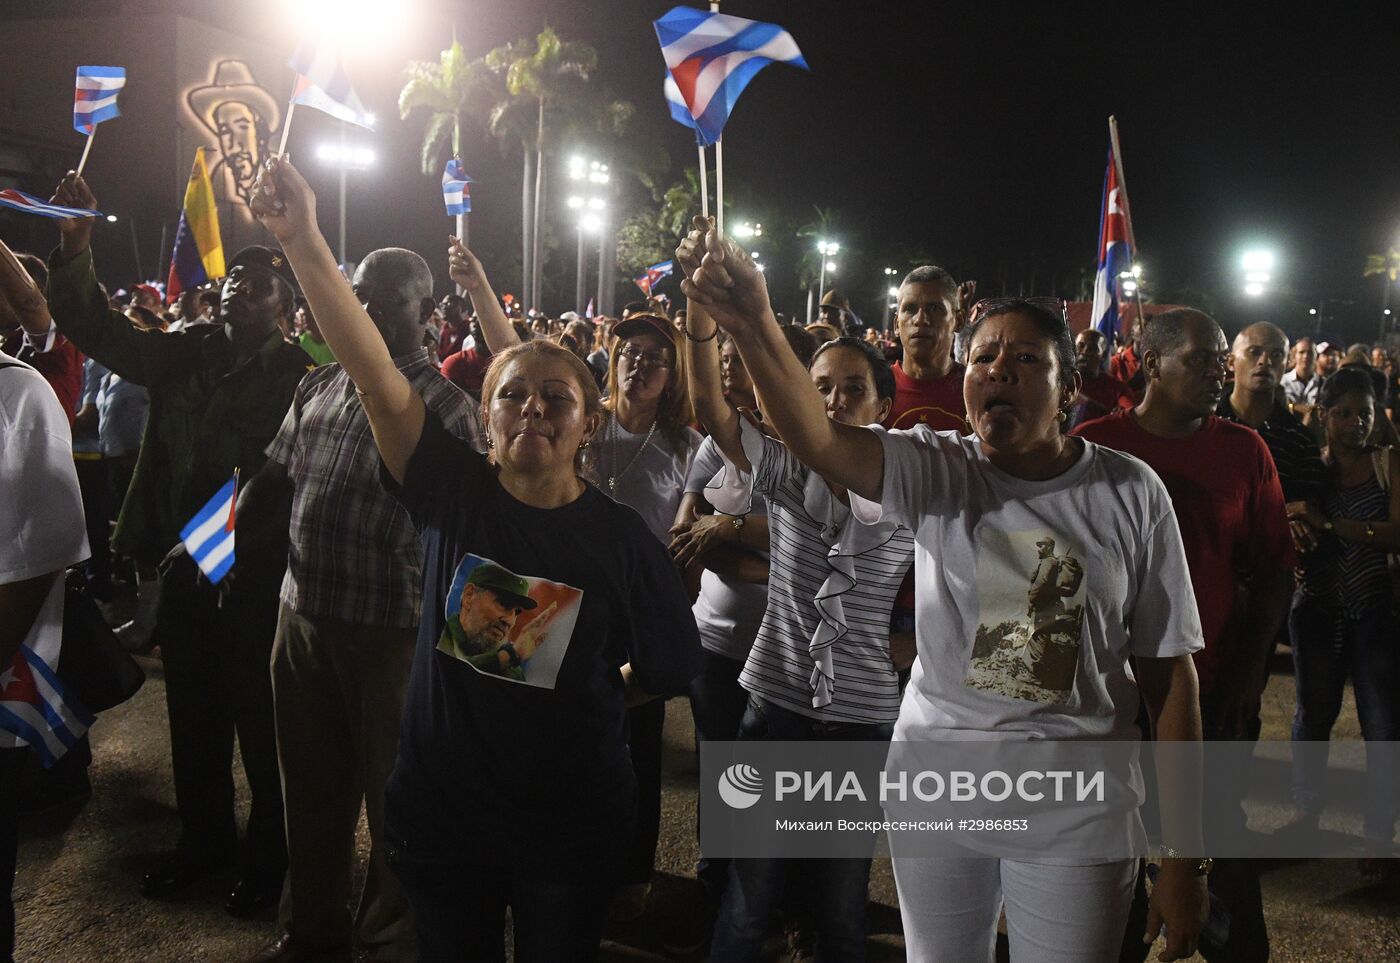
x=738, y=522
x=1203, y=865
x=509, y=649
x=1370, y=532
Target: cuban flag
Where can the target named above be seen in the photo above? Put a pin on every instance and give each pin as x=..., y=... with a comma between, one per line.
x=322, y=83
x=456, y=188
x=654, y=274
x=29, y=204
x=35, y=709
x=209, y=535
x=1115, y=251
x=711, y=57
x=95, y=96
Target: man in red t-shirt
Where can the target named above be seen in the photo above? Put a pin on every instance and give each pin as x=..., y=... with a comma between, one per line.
x=928, y=382
x=1126, y=364
x=1099, y=392
x=1229, y=505
x=467, y=369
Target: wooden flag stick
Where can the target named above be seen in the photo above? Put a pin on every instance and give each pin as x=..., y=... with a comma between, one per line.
x=286, y=128
x=719, y=185
x=87, y=149
x=704, y=184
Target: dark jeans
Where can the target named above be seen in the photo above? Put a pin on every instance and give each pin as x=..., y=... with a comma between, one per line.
x=97, y=510
x=1327, y=647
x=717, y=702
x=1234, y=881
x=11, y=764
x=644, y=725
x=838, y=888
x=459, y=910
x=218, y=683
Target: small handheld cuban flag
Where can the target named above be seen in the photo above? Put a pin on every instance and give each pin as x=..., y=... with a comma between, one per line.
x=95, y=97
x=456, y=188
x=30, y=204
x=711, y=57
x=209, y=535
x=323, y=83
x=654, y=274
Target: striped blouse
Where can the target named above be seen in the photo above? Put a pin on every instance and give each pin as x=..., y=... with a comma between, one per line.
x=1344, y=573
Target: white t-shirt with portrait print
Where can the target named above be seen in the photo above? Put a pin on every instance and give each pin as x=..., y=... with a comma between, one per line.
x=1031, y=596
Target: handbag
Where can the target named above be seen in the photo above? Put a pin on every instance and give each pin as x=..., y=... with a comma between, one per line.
x=92, y=664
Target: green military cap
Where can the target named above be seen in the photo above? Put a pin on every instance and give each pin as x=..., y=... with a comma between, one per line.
x=509, y=586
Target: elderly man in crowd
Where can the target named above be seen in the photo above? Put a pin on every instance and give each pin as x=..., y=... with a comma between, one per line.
x=1230, y=506
x=345, y=632
x=217, y=395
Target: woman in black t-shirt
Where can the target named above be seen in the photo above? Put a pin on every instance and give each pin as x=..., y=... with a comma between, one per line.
x=547, y=610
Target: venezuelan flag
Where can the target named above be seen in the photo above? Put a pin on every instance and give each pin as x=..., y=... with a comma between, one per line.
x=199, y=250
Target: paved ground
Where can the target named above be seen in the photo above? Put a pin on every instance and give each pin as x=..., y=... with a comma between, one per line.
x=77, y=899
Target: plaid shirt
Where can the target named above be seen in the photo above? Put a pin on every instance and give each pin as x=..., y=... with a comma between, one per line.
x=354, y=554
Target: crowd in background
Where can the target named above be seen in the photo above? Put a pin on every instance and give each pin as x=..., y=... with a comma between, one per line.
x=411, y=524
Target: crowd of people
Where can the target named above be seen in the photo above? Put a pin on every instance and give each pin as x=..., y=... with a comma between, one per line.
x=478, y=550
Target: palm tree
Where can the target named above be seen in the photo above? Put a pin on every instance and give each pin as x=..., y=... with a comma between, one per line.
x=448, y=91
x=550, y=76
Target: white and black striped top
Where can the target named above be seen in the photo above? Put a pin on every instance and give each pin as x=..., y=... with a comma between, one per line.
x=1348, y=574
x=780, y=665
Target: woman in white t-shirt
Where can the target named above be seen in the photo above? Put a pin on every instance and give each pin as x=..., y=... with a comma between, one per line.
x=1042, y=564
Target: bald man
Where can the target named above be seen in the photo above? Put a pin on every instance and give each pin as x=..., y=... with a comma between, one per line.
x=1257, y=359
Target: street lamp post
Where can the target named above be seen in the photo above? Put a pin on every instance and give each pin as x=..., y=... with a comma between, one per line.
x=346, y=158
x=826, y=249
x=892, y=301
x=589, y=203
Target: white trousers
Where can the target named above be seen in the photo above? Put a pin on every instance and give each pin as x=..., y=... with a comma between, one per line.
x=1054, y=914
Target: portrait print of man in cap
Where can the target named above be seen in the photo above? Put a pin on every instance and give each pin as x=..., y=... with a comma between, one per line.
x=242, y=116
x=501, y=621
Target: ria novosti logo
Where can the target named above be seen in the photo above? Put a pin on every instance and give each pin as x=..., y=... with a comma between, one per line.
x=740, y=786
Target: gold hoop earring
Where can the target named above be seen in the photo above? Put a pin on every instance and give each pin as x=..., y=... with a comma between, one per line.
x=1062, y=415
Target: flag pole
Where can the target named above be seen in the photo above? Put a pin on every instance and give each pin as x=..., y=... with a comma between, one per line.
x=704, y=183
x=719, y=163
x=1127, y=209
x=87, y=148
x=719, y=183
x=286, y=128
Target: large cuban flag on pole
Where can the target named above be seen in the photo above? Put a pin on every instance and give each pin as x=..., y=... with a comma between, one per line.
x=209, y=535
x=711, y=57
x=1117, y=247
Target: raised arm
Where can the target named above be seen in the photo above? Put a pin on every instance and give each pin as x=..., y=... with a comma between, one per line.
x=722, y=278
x=285, y=204
x=20, y=296
x=699, y=349
x=464, y=269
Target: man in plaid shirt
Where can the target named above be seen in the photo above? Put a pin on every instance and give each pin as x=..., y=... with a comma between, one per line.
x=347, y=625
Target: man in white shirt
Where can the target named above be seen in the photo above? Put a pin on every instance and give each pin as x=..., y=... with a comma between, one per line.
x=1302, y=381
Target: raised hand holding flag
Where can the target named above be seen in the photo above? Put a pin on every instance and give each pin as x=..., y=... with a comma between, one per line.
x=710, y=59
x=456, y=188
x=95, y=100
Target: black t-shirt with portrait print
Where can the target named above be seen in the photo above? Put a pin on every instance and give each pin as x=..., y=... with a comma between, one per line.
x=525, y=761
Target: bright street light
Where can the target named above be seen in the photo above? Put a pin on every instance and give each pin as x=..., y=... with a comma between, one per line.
x=1254, y=289
x=1129, y=285
x=1258, y=261
x=1137, y=270
x=348, y=24
x=590, y=223
x=575, y=202
x=111, y=218
x=748, y=230
x=894, y=291
x=343, y=155
x=1312, y=310
x=830, y=266
x=828, y=248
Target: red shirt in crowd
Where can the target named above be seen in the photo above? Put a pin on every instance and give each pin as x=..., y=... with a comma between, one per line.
x=467, y=370
x=451, y=338
x=937, y=403
x=1124, y=366
x=1104, y=395
x=1229, y=505
x=61, y=366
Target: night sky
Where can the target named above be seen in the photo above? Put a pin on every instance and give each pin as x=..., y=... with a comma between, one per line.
x=974, y=134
